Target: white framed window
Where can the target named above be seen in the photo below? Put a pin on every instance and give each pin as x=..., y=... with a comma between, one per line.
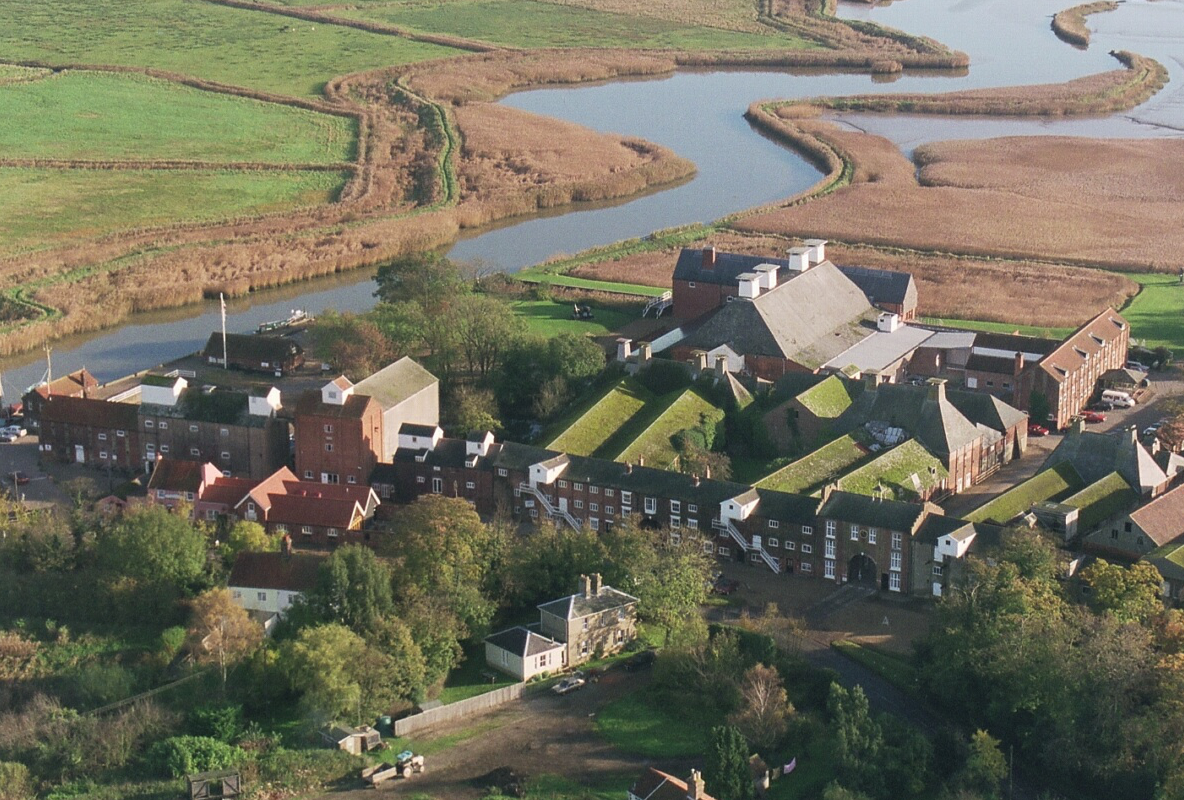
x=328, y=429
x=193, y=429
x=938, y=569
x=103, y=454
x=830, y=548
x=211, y=514
x=164, y=425
x=594, y=506
x=675, y=507
x=773, y=523
x=894, y=581
x=896, y=540
x=193, y=451
x=692, y=508
x=225, y=473
x=563, y=484
x=149, y=423
x=262, y=596
x=808, y=530
x=351, y=479
x=502, y=472
x=894, y=562
x=164, y=448
x=594, y=523
x=828, y=569
x=281, y=528
x=625, y=512
x=651, y=505
x=121, y=434
x=693, y=524
x=610, y=510
x=774, y=542
x=691, y=284
x=328, y=447
x=534, y=512
x=871, y=535
x=830, y=528
x=610, y=493
x=855, y=533
x=225, y=456
x=626, y=498
x=723, y=551
x=306, y=530
x=790, y=545
x=579, y=487
x=807, y=549
x=102, y=437
x=754, y=558
x=807, y=566
x=708, y=548
x=594, y=489
x=470, y=484
x=224, y=432
x=579, y=504
x=422, y=479
x=675, y=522
x=150, y=447
x=332, y=533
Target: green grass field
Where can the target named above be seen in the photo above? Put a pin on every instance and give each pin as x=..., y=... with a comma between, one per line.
x=1052, y=484
x=894, y=470
x=1156, y=313
x=640, y=725
x=810, y=473
x=585, y=283
x=40, y=207
x=550, y=318
x=655, y=444
x=103, y=115
x=613, y=410
x=230, y=45
x=523, y=23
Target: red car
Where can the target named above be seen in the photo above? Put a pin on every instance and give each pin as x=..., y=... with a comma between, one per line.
x=1093, y=416
x=1037, y=430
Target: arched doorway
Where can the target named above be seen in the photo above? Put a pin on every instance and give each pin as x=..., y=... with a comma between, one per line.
x=862, y=569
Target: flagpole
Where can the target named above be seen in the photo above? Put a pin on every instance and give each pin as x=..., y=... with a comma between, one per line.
x=225, y=355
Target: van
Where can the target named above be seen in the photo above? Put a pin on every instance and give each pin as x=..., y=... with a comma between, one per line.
x=1138, y=366
x=1118, y=399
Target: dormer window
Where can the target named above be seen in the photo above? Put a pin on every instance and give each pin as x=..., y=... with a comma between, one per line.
x=332, y=395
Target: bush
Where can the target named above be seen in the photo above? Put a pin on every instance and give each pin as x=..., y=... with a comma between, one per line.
x=100, y=684
x=182, y=755
x=171, y=641
x=301, y=771
x=15, y=783
x=663, y=377
x=224, y=723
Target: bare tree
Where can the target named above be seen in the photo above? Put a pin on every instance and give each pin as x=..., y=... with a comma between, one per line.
x=220, y=631
x=765, y=715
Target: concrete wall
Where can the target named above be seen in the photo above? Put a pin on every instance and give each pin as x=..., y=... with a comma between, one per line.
x=421, y=408
x=458, y=710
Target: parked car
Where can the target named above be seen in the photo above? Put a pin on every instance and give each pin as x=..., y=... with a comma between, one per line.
x=1036, y=429
x=725, y=586
x=16, y=430
x=1138, y=366
x=1093, y=416
x=569, y=684
x=640, y=660
x=8, y=436
x=1101, y=405
x=18, y=477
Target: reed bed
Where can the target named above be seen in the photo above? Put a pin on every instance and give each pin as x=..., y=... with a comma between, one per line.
x=1069, y=25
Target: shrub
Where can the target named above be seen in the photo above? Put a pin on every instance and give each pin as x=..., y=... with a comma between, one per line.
x=224, y=723
x=15, y=783
x=662, y=377
x=100, y=684
x=182, y=755
x=171, y=641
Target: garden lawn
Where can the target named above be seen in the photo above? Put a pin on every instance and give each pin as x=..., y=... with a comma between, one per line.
x=894, y=470
x=656, y=443
x=892, y=668
x=523, y=23
x=817, y=766
x=585, y=283
x=470, y=678
x=107, y=116
x=549, y=318
x=614, y=409
x=230, y=45
x=40, y=207
x=640, y=724
x=1156, y=313
x=1052, y=484
x=818, y=468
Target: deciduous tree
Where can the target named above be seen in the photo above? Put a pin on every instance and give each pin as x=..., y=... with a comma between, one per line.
x=154, y=545
x=985, y=765
x=1132, y=594
x=353, y=588
x=764, y=717
x=220, y=631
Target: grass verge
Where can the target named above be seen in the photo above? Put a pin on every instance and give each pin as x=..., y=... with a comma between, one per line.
x=656, y=443
x=892, y=668
x=818, y=468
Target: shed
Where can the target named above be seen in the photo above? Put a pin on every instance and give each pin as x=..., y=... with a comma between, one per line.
x=354, y=741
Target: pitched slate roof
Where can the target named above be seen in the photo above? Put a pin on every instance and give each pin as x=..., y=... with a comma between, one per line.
x=864, y=510
x=985, y=409
x=933, y=420
x=396, y=382
x=310, y=405
x=416, y=429
x=727, y=269
x=522, y=642
x=177, y=475
x=657, y=785
x=1014, y=343
x=1163, y=518
x=1082, y=344
x=883, y=285
x=809, y=319
x=576, y=605
x=936, y=526
x=293, y=573
x=999, y=365
x=786, y=507
x=90, y=412
x=1096, y=455
x=252, y=347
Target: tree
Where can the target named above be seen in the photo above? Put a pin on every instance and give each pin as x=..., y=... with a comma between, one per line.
x=402, y=324
x=249, y=537
x=221, y=632
x=473, y=411
x=547, y=563
x=671, y=585
x=323, y=664
x=1038, y=407
x=405, y=670
x=353, y=588
x=1131, y=594
x=15, y=783
x=152, y=544
x=985, y=766
x=440, y=548
x=354, y=344
x=425, y=278
x=764, y=717
x=834, y=791
x=485, y=326
x=859, y=736
x=574, y=357
x=725, y=767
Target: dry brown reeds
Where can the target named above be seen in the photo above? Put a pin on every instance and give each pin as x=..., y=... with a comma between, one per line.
x=1069, y=25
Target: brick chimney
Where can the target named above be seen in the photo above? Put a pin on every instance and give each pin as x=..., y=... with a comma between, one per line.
x=696, y=787
x=695, y=481
x=628, y=467
x=707, y=473
x=708, y=258
x=937, y=389
x=700, y=359
x=641, y=461
x=586, y=586
x=1019, y=363
x=645, y=352
x=596, y=585
x=286, y=547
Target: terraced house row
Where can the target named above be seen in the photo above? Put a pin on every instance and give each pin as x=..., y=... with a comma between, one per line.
x=837, y=536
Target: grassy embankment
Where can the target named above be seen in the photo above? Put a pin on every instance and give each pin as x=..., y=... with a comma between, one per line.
x=810, y=473
x=656, y=443
x=1070, y=26
x=1052, y=484
x=592, y=423
x=894, y=471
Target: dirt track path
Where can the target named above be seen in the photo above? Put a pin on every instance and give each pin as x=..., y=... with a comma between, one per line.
x=544, y=733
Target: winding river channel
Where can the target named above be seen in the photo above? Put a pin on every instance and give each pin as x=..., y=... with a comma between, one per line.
x=698, y=114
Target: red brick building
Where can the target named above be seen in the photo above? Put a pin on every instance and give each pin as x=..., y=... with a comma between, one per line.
x=338, y=434
x=77, y=384
x=83, y=430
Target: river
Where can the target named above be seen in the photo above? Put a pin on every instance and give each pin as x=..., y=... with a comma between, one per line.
x=698, y=114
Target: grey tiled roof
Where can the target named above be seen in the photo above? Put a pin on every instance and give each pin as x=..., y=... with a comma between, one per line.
x=985, y=409
x=883, y=286
x=937, y=424
x=1096, y=455
x=576, y=605
x=395, y=382
x=522, y=642
x=864, y=510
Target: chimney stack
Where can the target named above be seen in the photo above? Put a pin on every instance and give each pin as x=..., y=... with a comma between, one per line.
x=624, y=349
x=596, y=585
x=696, y=788
x=817, y=248
x=641, y=461
x=700, y=360
x=799, y=259
x=586, y=586
x=768, y=275
x=707, y=473
x=628, y=468
x=721, y=366
x=644, y=352
x=708, y=258
x=750, y=285
x=695, y=481
x=1132, y=431
x=286, y=547
x=1019, y=362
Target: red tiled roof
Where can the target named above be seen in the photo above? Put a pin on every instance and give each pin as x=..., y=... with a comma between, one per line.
x=657, y=785
x=294, y=510
x=294, y=573
x=1163, y=518
x=176, y=475
x=71, y=385
x=1083, y=342
x=227, y=491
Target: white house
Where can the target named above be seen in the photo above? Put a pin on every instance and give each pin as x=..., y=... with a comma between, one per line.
x=266, y=584
x=523, y=653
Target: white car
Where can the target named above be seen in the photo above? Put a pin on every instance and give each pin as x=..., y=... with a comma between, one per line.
x=8, y=436
x=1138, y=366
x=569, y=684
